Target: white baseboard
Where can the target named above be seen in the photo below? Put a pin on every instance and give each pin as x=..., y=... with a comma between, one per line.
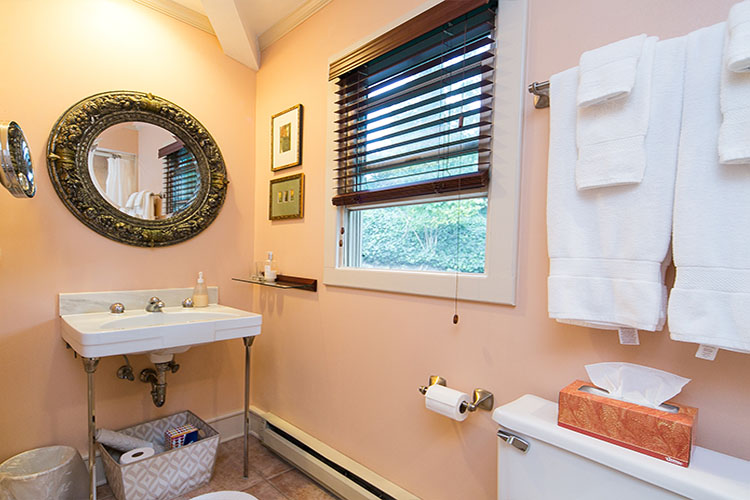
x=321, y=471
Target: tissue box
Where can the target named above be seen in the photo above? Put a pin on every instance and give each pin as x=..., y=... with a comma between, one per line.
x=661, y=434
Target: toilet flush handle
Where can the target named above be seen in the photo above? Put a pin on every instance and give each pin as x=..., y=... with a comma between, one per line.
x=519, y=443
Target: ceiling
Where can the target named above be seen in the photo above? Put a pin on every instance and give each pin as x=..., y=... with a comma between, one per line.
x=244, y=27
x=265, y=13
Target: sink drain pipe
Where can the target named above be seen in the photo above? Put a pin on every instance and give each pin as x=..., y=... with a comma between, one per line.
x=158, y=380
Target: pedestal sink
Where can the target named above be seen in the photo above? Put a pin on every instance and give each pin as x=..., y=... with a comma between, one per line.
x=171, y=331
x=92, y=331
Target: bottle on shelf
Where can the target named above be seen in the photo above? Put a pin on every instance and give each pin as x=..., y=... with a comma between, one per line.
x=269, y=269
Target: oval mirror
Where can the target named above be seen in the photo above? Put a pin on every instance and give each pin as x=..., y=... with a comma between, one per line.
x=136, y=168
x=16, y=169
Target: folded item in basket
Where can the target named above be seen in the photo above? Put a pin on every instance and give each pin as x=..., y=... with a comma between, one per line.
x=120, y=441
x=180, y=436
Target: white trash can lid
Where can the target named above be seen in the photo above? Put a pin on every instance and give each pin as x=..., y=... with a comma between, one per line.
x=225, y=495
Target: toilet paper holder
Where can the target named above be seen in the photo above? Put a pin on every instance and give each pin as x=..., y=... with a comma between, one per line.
x=483, y=399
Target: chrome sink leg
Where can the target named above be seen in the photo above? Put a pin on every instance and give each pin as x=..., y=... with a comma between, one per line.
x=90, y=364
x=248, y=341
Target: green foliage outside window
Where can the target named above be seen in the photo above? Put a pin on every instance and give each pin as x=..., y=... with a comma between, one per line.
x=423, y=236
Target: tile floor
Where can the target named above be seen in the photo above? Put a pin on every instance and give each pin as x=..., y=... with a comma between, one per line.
x=269, y=478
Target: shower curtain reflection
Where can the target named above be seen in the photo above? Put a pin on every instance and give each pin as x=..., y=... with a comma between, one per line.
x=121, y=181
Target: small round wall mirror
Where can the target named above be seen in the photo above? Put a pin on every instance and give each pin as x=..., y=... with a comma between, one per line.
x=136, y=168
x=16, y=169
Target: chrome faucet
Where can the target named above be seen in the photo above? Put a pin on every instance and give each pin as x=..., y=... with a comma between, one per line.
x=155, y=305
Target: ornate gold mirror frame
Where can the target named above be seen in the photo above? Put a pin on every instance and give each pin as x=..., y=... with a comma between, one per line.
x=67, y=162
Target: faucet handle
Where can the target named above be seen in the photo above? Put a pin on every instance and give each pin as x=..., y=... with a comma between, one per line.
x=188, y=302
x=117, y=308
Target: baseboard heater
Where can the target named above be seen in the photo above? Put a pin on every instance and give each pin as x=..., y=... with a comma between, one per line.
x=340, y=474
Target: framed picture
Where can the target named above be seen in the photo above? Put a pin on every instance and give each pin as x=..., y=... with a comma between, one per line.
x=286, y=138
x=287, y=197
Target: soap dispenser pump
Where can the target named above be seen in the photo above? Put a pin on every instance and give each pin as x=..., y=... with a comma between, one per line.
x=200, y=293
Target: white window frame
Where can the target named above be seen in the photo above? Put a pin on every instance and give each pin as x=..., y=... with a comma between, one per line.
x=498, y=283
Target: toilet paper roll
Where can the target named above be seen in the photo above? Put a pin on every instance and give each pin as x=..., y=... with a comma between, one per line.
x=120, y=441
x=136, y=455
x=446, y=401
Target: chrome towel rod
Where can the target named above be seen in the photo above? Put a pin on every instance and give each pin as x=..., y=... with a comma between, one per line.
x=541, y=94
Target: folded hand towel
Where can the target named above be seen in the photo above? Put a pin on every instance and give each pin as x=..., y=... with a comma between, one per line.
x=608, y=72
x=607, y=248
x=734, y=133
x=710, y=301
x=147, y=206
x=737, y=51
x=131, y=200
x=611, y=147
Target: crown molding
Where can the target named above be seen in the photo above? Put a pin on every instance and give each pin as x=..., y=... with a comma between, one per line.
x=181, y=13
x=287, y=24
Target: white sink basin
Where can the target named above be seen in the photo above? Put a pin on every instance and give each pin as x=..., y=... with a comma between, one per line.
x=174, y=330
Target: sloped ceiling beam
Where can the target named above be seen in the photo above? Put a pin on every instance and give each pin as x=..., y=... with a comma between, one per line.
x=287, y=24
x=180, y=12
x=237, y=40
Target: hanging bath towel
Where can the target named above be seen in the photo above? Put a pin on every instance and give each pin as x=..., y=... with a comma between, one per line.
x=608, y=246
x=710, y=301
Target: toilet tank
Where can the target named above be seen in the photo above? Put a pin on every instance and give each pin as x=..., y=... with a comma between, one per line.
x=563, y=464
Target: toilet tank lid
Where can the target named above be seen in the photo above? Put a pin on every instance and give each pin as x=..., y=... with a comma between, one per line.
x=710, y=474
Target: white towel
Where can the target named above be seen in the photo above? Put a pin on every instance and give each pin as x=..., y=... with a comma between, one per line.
x=608, y=72
x=710, y=301
x=737, y=52
x=734, y=133
x=608, y=248
x=611, y=135
x=147, y=206
x=131, y=200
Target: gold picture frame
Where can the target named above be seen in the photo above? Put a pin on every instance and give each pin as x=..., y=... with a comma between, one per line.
x=286, y=138
x=286, y=197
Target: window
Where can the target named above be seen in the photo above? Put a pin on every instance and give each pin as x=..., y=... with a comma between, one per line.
x=181, y=177
x=412, y=141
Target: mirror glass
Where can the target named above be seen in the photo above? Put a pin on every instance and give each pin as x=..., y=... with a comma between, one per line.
x=143, y=170
x=17, y=172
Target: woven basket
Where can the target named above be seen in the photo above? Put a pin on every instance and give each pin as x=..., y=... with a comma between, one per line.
x=167, y=474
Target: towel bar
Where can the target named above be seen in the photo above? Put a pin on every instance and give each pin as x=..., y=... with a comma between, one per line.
x=541, y=94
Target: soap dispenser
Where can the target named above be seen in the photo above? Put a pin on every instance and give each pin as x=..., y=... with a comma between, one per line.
x=269, y=268
x=200, y=293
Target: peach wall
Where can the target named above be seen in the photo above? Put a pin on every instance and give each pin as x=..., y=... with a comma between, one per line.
x=344, y=364
x=58, y=53
x=120, y=137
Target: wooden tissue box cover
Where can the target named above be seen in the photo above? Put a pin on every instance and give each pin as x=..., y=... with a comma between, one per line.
x=660, y=434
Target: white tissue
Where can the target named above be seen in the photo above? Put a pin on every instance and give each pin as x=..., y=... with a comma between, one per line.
x=635, y=383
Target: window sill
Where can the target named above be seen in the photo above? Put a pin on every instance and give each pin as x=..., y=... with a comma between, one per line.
x=473, y=287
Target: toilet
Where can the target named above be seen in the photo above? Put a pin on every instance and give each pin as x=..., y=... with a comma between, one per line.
x=562, y=464
x=225, y=495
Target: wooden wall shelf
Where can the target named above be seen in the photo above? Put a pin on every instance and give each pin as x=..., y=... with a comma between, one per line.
x=284, y=281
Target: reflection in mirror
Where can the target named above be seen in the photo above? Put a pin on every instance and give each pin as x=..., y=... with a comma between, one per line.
x=16, y=169
x=143, y=170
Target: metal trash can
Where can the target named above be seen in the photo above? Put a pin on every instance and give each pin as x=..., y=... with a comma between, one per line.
x=52, y=472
